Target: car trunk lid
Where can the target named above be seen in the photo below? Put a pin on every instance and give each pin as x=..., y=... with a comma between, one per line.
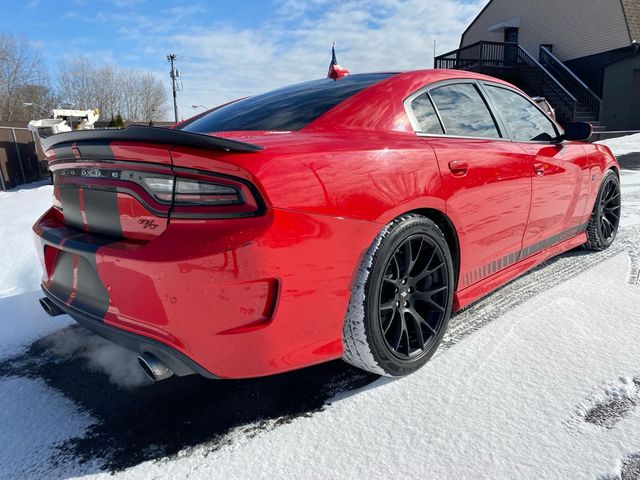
x=119, y=183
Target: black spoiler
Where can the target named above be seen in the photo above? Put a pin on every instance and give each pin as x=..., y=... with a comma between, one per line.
x=139, y=133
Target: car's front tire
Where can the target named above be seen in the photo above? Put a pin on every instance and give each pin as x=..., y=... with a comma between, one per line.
x=401, y=299
x=605, y=217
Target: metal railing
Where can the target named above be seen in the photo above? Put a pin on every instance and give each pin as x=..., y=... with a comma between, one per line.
x=478, y=55
x=540, y=80
x=585, y=96
x=536, y=80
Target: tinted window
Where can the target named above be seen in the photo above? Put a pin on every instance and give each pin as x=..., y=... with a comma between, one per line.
x=288, y=108
x=463, y=111
x=524, y=120
x=426, y=114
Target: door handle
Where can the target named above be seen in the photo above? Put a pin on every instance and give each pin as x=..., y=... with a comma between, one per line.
x=459, y=167
x=538, y=168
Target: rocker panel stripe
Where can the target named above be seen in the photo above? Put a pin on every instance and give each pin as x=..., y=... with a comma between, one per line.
x=494, y=266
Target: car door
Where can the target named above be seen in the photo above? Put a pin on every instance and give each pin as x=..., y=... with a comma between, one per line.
x=560, y=183
x=486, y=178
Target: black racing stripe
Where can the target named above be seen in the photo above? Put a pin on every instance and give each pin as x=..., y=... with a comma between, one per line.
x=78, y=242
x=62, y=279
x=87, y=151
x=583, y=227
x=70, y=200
x=514, y=257
x=101, y=211
x=91, y=296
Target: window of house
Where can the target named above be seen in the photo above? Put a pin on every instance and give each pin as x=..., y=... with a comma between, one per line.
x=463, y=111
x=524, y=120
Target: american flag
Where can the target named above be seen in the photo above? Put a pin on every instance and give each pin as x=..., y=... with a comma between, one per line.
x=335, y=70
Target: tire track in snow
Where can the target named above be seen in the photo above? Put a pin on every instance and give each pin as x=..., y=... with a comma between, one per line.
x=634, y=267
x=545, y=276
x=629, y=468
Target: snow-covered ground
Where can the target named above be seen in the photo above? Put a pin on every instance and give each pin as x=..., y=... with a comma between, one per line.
x=539, y=380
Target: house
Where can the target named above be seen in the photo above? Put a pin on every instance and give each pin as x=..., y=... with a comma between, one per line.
x=582, y=55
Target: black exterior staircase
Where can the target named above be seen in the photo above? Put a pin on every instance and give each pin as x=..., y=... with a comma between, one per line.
x=549, y=77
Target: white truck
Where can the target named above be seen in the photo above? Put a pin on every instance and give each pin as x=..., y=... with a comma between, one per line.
x=65, y=120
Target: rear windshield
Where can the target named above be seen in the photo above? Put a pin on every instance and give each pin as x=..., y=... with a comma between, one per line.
x=288, y=108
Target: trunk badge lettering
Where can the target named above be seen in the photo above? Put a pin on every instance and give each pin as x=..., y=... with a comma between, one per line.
x=151, y=224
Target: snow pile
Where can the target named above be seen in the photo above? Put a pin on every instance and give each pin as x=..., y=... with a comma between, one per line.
x=22, y=321
x=19, y=265
x=623, y=145
x=33, y=420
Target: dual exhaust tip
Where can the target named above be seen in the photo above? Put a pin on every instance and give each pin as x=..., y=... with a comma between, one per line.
x=50, y=307
x=151, y=365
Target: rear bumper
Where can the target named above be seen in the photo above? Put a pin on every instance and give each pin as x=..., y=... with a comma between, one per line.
x=229, y=299
x=176, y=361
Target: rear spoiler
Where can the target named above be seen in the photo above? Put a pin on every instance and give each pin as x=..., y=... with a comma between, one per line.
x=139, y=133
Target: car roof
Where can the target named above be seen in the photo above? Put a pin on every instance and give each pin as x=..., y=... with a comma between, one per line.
x=380, y=107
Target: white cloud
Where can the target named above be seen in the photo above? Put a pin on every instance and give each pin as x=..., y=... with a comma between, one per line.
x=224, y=61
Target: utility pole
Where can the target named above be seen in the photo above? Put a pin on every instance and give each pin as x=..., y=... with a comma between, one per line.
x=175, y=74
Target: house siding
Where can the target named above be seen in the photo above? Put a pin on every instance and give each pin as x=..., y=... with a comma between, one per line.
x=576, y=28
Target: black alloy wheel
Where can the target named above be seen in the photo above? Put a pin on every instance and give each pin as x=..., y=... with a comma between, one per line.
x=413, y=297
x=605, y=218
x=610, y=203
x=401, y=299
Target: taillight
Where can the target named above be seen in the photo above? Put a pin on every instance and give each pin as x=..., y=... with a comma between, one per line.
x=205, y=193
x=159, y=187
x=188, y=194
x=200, y=195
x=192, y=192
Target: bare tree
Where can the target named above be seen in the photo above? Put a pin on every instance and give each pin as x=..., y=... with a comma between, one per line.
x=76, y=82
x=23, y=78
x=134, y=94
x=105, y=95
x=153, y=98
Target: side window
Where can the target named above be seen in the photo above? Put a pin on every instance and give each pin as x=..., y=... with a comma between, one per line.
x=463, y=111
x=525, y=121
x=426, y=114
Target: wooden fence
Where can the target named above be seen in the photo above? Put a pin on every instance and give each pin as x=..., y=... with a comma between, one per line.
x=20, y=157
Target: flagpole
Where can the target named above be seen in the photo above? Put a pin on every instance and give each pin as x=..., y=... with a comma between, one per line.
x=434, y=53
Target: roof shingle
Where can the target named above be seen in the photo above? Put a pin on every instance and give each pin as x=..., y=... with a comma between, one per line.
x=632, y=12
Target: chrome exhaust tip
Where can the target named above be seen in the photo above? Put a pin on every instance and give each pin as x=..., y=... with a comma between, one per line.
x=153, y=367
x=49, y=307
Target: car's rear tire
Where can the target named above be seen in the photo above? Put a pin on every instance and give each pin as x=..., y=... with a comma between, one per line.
x=401, y=299
x=605, y=217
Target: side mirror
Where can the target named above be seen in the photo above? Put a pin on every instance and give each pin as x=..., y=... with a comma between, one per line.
x=578, y=131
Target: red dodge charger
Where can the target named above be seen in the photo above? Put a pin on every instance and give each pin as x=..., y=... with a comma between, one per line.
x=328, y=219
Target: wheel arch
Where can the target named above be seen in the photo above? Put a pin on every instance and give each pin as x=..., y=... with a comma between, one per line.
x=450, y=233
x=615, y=168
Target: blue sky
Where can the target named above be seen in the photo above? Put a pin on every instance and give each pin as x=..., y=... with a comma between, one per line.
x=234, y=48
